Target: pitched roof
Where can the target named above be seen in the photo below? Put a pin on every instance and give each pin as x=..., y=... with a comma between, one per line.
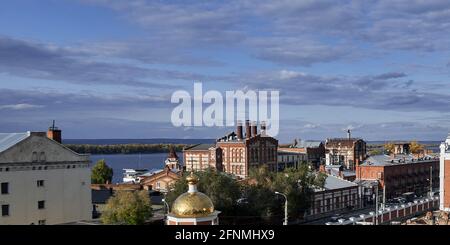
x=333, y=182
x=308, y=144
x=341, y=142
x=199, y=147
x=7, y=140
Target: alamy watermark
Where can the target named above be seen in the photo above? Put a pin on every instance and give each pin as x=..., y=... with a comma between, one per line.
x=210, y=109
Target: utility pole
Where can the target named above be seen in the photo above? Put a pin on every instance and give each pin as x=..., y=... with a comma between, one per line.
x=384, y=195
x=431, y=181
x=376, y=203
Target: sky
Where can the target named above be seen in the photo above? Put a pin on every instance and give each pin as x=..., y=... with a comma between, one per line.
x=108, y=68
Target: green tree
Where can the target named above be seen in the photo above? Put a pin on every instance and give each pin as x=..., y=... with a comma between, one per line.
x=222, y=188
x=389, y=148
x=297, y=184
x=375, y=152
x=415, y=147
x=128, y=208
x=101, y=173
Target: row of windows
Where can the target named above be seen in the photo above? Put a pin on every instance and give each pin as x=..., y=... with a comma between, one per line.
x=42, y=167
x=6, y=213
x=38, y=157
x=5, y=186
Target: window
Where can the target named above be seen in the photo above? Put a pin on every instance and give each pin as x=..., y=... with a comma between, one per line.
x=42, y=157
x=41, y=204
x=34, y=157
x=5, y=188
x=40, y=183
x=41, y=222
x=5, y=210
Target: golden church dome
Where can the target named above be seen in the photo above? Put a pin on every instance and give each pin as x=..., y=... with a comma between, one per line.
x=192, y=203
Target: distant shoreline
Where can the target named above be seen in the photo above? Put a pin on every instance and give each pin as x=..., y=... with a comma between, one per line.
x=124, y=148
x=145, y=148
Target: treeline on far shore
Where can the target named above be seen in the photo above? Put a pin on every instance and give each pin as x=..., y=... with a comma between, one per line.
x=124, y=149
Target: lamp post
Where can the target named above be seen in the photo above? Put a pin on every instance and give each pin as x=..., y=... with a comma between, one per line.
x=166, y=205
x=431, y=181
x=285, y=207
x=376, y=204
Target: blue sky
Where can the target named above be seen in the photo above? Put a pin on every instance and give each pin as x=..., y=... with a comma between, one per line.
x=107, y=68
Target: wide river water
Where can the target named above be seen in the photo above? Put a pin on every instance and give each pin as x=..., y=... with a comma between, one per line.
x=142, y=161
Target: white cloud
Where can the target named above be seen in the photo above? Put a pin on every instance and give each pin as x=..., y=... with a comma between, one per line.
x=18, y=107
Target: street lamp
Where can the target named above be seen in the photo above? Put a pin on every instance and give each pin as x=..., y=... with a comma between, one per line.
x=285, y=207
x=166, y=206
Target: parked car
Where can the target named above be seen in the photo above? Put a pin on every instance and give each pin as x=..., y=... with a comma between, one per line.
x=336, y=217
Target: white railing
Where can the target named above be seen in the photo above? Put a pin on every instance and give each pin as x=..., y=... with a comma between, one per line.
x=426, y=203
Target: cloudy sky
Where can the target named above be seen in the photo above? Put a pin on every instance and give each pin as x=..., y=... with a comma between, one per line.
x=107, y=68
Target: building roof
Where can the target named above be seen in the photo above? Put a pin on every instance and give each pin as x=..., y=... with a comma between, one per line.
x=332, y=183
x=308, y=144
x=341, y=142
x=199, y=147
x=387, y=160
x=7, y=140
x=284, y=151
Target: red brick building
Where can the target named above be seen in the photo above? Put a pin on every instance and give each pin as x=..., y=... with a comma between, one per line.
x=234, y=153
x=400, y=173
x=445, y=175
x=349, y=152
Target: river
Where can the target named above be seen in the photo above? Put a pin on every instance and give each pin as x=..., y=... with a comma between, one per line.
x=120, y=161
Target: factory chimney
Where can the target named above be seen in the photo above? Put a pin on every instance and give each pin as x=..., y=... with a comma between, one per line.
x=248, y=134
x=254, y=129
x=239, y=130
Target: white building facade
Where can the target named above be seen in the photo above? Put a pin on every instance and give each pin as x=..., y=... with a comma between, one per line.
x=444, y=176
x=42, y=181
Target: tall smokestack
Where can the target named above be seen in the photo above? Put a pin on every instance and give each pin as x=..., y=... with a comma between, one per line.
x=263, y=128
x=349, y=134
x=248, y=134
x=239, y=131
x=54, y=133
x=254, y=129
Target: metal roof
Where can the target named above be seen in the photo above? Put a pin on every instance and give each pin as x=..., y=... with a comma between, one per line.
x=7, y=140
x=308, y=144
x=200, y=147
x=387, y=160
x=332, y=183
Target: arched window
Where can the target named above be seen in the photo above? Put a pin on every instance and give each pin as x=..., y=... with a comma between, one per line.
x=34, y=157
x=42, y=157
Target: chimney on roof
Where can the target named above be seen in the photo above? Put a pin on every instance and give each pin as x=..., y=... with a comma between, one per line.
x=248, y=133
x=239, y=130
x=254, y=129
x=349, y=133
x=54, y=133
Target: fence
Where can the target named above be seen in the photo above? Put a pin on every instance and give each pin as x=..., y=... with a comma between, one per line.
x=389, y=214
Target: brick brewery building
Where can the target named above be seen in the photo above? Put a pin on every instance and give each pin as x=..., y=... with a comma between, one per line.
x=314, y=151
x=400, y=173
x=349, y=152
x=234, y=153
x=445, y=175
